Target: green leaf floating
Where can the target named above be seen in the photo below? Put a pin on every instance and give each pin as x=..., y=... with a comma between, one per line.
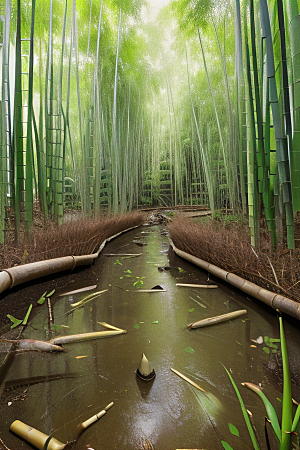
x=136, y=326
x=50, y=293
x=155, y=321
x=192, y=309
x=226, y=446
x=25, y=320
x=233, y=429
x=42, y=299
x=189, y=350
x=15, y=321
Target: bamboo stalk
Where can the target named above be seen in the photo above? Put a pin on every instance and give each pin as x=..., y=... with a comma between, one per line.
x=217, y=319
x=188, y=380
x=85, y=336
x=205, y=286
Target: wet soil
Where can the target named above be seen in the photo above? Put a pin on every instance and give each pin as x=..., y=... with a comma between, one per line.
x=55, y=392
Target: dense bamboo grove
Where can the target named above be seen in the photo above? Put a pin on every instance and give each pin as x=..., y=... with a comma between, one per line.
x=104, y=109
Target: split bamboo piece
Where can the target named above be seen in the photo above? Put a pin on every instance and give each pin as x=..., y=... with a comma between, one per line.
x=150, y=290
x=205, y=286
x=217, y=319
x=188, y=380
x=85, y=336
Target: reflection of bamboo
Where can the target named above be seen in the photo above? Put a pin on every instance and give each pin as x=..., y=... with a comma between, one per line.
x=39, y=439
x=217, y=319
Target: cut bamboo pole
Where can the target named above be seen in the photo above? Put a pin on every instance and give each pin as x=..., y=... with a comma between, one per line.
x=205, y=286
x=217, y=319
x=85, y=336
x=150, y=290
x=188, y=380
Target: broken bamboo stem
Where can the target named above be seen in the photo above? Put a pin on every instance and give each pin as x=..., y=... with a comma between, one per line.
x=85, y=336
x=217, y=319
x=205, y=286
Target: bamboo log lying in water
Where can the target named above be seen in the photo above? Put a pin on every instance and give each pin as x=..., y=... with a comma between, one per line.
x=85, y=336
x=217, y=319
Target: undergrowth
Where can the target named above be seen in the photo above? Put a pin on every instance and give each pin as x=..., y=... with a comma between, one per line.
x=226, y=244
x=80, y=236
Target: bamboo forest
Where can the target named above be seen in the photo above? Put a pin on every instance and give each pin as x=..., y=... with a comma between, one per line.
x=150, y=193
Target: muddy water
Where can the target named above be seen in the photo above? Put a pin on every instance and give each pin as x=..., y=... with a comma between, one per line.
x=167, y=411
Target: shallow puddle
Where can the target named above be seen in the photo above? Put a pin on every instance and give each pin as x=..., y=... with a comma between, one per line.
x=167, y=411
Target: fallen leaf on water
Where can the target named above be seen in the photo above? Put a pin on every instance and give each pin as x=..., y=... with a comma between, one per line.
x=15, y=321
x=155, y=321
x=136, y=326
x=189, y=350
x=50, y=293
x=192, y=309
x=82, y=356
x=233, y=429
x=42, y=299
x=259, y=340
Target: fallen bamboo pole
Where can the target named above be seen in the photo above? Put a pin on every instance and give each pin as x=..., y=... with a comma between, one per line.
x=217, y=319
x=21, y=274
x=275, y=301
x=205, y=286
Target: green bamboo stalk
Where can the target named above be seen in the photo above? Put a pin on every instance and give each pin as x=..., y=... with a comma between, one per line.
x=240, y=106
x=115, y=137
x=253, y=196
x=18, y=126
x=281, y=141
x=29, y=142
x=293, y=15
x=5, y=123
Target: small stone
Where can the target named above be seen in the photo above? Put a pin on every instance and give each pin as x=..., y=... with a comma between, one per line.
x=9, y=403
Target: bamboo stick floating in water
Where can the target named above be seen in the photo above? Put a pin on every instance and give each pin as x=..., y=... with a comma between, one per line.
x=94, y=418
x=217, y=319
x=205, y=286
x=150, y=290
x=85, y=336
x=188, y=380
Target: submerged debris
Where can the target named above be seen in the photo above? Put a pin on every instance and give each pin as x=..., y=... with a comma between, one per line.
x=33, y=344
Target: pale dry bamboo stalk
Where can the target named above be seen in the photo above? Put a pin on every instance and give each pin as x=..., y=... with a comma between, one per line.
x=94, y=418
x=85, y=336
x=111, y=327
x=217, y=319
x=88, y=288
x=150, y=290
x=188, y=380
x=205, y=286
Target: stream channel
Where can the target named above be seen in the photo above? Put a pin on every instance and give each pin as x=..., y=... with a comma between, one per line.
x=167, y=411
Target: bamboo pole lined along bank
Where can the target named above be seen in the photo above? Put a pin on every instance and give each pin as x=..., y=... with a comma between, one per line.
x=21, y=274
x=275, y=301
